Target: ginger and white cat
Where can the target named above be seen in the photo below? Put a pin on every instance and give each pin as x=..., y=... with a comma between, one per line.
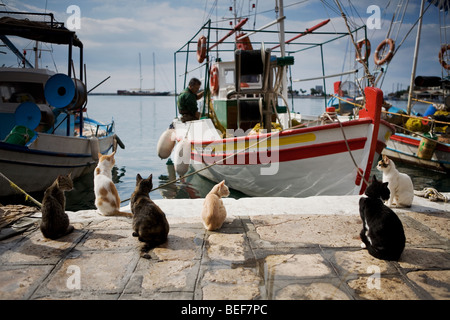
x=214, y=212
x=399, y=184
x=107, y=198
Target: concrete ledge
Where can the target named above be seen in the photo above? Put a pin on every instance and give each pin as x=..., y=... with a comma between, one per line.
x=268, y=248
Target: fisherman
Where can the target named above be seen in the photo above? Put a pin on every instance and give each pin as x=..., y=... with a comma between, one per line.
x=187, y=101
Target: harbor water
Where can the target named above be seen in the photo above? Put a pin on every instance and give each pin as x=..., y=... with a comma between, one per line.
x=140, y=120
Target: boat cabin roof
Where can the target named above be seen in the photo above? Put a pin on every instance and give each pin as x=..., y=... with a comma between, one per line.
x=50, y=32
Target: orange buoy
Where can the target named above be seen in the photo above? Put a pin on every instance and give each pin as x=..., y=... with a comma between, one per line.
x=360, y=44
x=389, y=55
x=214, y=80
x=443, y=63
x=201, y=49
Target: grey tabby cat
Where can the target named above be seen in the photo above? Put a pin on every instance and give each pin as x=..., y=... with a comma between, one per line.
x=149, y=221
x=55, y=221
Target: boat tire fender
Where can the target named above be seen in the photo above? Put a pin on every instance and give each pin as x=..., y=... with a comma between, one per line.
x=182, y=157
x=119, y=142
x=389, y=55
x=166, y=143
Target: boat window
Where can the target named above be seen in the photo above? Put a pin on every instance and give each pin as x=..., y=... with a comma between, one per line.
x=21, y=92
x=229, y=76
x=251, y=78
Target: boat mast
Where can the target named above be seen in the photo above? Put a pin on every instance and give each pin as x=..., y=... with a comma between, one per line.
x=283, y=50
x=416, y=54
x=36, y=55
x=140, y=73
x=154, y=76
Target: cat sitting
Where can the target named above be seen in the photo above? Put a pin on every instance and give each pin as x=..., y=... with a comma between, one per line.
x=382, y=232
x=214, y=212
x=400, y=184
x=55, y=221
x=149, y=221
x=107, y=198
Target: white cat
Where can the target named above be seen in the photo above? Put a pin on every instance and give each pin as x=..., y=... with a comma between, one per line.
x=214, y=212
x=107, y=198
x=399, y=184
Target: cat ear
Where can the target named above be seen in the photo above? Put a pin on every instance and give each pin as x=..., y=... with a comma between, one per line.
x=222, y=183
x=138, y=178
x=385, y=184
x=112, y=154
x=374, y=178
x=150, y=177
x=99, y=155
x=70, y=174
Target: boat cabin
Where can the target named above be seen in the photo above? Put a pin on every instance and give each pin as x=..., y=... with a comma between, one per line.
x=242, y=91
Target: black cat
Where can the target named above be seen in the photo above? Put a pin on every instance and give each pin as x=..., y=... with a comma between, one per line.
x=382, y=232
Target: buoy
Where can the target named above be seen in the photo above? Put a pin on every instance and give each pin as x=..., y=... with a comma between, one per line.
x=119, y=142
x=166, y=143
x=427, y=146
x=430, y=110
x=182, y=157
x=171, y=170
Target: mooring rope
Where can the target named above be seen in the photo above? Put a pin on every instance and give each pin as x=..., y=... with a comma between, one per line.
x=17, y=188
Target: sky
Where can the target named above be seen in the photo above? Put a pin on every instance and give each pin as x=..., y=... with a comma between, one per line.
x=115, y=32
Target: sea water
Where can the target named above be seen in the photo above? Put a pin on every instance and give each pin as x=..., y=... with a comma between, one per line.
x=139, y=122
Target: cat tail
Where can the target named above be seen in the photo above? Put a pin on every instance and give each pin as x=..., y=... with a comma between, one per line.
x=122, y=214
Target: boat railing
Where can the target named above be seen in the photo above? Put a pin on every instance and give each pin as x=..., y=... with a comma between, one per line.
x=226, y=47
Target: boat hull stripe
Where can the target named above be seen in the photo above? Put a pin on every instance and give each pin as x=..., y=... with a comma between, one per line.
x=290, y=154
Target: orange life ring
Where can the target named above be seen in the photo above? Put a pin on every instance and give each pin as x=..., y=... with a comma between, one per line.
x=441, y=57
x=214, y=80
x=360, y=44
x=201, y=49
x=389, y=55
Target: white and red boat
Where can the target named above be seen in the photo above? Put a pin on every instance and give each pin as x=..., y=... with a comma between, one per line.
x=291, y=156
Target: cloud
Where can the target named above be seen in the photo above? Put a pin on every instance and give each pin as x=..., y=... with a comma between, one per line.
x=115, y=31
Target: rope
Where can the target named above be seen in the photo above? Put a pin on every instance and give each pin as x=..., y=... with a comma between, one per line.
x=414, y=117
x=349, y=150
x=17, y=188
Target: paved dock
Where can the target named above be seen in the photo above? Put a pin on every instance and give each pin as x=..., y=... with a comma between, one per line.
x=268, y=248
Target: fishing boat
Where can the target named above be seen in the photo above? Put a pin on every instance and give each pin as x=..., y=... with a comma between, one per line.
x=248, y=137
x=421, y=139
x=43, y=130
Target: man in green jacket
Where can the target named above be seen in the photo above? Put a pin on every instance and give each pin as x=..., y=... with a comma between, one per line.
x=187, y=101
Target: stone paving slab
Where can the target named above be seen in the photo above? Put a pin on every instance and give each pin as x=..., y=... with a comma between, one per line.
x=254, y=256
